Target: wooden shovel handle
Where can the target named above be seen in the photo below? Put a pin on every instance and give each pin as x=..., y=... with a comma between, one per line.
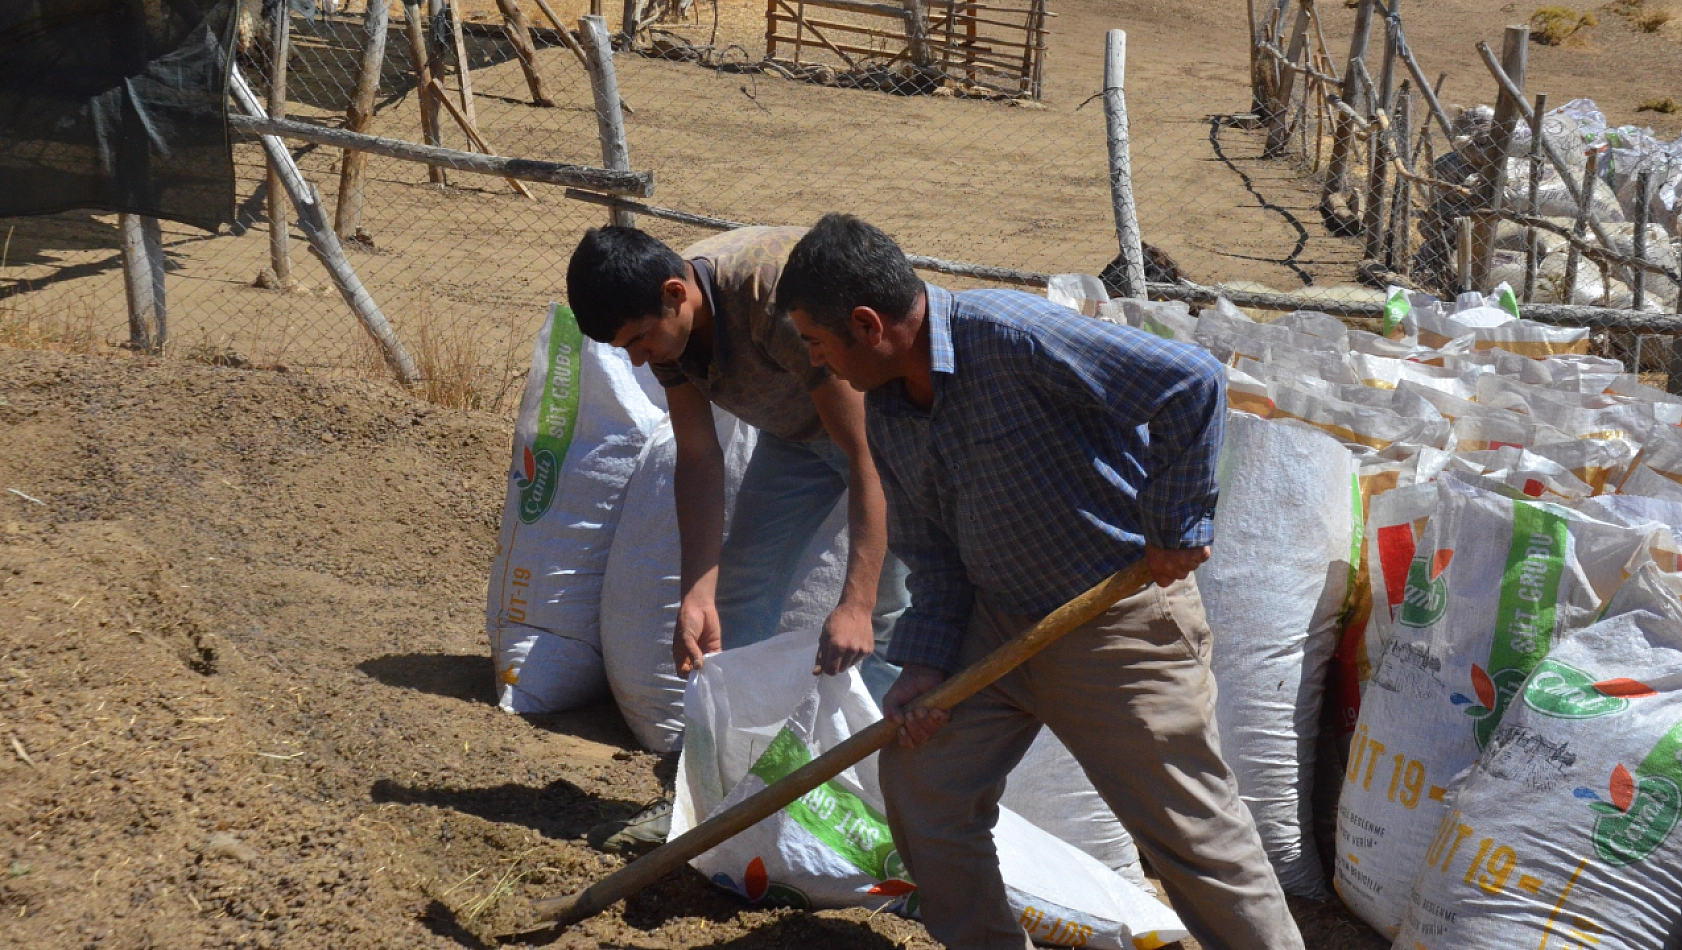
x=748, y=812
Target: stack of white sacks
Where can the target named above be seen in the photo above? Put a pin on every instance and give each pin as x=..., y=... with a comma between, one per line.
x=1469, y=517
x=1623, y=153
x=1462, y=524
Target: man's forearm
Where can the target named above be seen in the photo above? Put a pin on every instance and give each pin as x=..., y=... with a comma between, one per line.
x=698, y=487
x=867, y=527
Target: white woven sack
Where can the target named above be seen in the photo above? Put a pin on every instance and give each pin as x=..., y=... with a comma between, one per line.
x=1495, y=582
x=1274, y=591
x=832, y=847
x=1564, y=834
x=584, y=418
x=640, y=586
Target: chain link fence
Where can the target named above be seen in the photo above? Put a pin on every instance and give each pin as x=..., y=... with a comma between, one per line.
x=958, y=162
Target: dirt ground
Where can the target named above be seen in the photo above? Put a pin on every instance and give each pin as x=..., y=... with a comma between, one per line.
x=242, y=667
x=246, y=692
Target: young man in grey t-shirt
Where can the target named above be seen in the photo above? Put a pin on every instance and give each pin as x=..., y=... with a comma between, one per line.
x=706, y=323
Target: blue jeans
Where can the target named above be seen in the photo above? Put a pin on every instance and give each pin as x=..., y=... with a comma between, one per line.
x=787, y=492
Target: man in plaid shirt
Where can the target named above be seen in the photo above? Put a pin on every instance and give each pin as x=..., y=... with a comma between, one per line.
x=1027, y=453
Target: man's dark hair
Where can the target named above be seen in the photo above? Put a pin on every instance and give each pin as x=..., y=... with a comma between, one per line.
x=844, y=263
x=615, y=278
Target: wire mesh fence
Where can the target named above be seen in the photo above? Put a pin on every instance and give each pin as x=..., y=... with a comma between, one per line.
x=957, y=163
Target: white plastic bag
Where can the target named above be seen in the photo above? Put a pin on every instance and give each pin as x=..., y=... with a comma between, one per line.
x=832, y=848
x=1494, y=583
x=1274, y=589
x=583, y=421
x=1564, y=834
x=640, y=585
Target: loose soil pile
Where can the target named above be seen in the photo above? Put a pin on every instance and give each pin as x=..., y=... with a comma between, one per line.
x=247, y=696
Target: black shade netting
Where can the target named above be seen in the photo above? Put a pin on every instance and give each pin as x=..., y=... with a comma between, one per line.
x=116, y=105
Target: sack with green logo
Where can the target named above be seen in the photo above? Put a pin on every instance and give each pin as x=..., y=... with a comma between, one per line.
x=1495, y=582
x=1565, y=833
x=832, y=847
x=583, y=420
x=1274, y=590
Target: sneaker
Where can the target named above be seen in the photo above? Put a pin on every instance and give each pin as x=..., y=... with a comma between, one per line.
x=640, y=833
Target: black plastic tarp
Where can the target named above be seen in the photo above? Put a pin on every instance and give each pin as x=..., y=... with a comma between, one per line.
x=116, y=105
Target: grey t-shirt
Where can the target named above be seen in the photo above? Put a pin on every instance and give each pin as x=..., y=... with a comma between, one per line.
x=758, y=368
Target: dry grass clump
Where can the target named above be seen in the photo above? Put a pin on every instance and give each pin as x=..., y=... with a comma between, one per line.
x=461, y=366
x=1651, y=21
x=1553, y=25
x=71, y=329
x=1665, y=106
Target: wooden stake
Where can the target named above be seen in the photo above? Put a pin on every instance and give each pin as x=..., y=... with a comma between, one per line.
x=1278, y=129
x=464, y=66
x=1463, y=251
x=1121, y=166
x=1378, y=176
x=280, y=50
x=312, y=218
x=472, y=133
x=519, y=34
x=416, y=33
x=347, y=217
x=1401, y=243
x=610, y=122
x=1573, y=257
x=1532, y=246
x=1342, y=134
x=143, y=279
x=1492, y=165
x=628, y=24
x=916, y=33
x=1643, y=199
x=437, y=59
x=651, y=867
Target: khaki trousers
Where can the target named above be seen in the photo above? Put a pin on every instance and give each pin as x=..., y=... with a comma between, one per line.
x=1131, y=696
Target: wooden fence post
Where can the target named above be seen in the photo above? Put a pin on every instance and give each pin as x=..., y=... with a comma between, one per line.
x=464, y=66
x=416, y=33
x=1532, y=257
x=1486, y=208
x=280, y=43
x=917, y=33
x=519, y=34
x=1278, y=124
x=1643, y=199
x=628, y=24
x=347, y=217
x=312, y=218
x=1342, y=134
x=610, y=121
x=1574, y=257
x=1121, y=170
x=437, y=58
x=143, y=280
x=1378, y=176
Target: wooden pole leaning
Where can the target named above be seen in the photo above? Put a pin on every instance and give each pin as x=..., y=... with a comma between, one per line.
x=519, y=36
x=280, y=50
x=610, y=120
x=563, y=911
x=1121, y=166
x=1491, y=165
x=347, y=218
x=312, y=219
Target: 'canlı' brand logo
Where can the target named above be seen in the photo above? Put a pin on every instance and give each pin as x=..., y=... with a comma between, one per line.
x=1565, y=692
x=537, y=481
x=1426, y=596
x=1644, y=806
x=1493, y=696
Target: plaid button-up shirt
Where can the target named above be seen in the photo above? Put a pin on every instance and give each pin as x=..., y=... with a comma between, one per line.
x=1057, y=446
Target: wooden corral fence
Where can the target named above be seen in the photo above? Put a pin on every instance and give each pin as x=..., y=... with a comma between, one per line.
x=997, y=46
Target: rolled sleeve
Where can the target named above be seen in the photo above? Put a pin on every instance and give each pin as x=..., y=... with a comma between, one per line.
x=1175, y=390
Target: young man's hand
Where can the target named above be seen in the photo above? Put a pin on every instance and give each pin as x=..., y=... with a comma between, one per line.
x=848, y=637
x=915, y=726
x=697, y=633
x=1168, y=565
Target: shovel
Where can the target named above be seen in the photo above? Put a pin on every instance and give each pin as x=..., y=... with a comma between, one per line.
x=633, y=877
